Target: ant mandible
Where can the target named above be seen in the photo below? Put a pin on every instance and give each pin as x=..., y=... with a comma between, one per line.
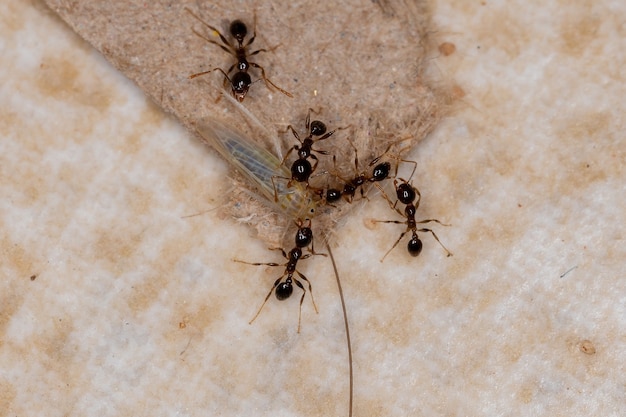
x=301, y=168
x=240, y=81
x=284, y=289
x=407, y=195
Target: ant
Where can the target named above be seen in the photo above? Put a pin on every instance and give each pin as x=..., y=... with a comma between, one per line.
x=379, y=173
x=410, y=197
x=284, y=289
x=240, y=81
x=301, y=168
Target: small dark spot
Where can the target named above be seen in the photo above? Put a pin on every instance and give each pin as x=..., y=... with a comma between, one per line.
x=33, y=277
x=587, y=347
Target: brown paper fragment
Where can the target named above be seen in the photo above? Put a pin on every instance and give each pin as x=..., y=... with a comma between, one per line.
x=361, y=64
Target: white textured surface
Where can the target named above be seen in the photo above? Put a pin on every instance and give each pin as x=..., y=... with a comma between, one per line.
x=138, y=311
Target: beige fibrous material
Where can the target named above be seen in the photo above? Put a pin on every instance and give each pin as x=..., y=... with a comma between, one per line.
x=361, y=69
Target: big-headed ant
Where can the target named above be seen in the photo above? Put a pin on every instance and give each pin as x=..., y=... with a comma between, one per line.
x=284, y=289
x=240, y=81
x=407, y=195
x=380, y=172
x=301, y=168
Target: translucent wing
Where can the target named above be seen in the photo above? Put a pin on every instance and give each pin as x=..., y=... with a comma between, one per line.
x=258, y=166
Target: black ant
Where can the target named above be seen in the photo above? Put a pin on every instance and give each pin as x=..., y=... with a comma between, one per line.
x=379, y=173
x=284, y=289
x=410, y=197
x=240, y=81
x=301, y=168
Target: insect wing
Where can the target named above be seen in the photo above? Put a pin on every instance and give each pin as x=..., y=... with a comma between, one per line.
x=257, y=165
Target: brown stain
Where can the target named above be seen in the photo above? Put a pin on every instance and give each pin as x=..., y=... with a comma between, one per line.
x=146, y=293
x=447, y=48
x=579, y=31
x=204, y=317
x=8, y=392
x=527, y=392
x=587, y=347
x=54, y=343
x=512, y=352
x=12, y=18
x=334, y=395
x=456, y=92
x=11, y=299
x=150, y=117
x=580, y=165
x=60, y=77
x=115, y=247
x=17, y=258
x=512, y=37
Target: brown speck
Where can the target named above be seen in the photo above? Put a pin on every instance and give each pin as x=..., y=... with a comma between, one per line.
x=457, y=92
x=587, y=347
x=447, y=48
x=33, y=277
x=369, y=223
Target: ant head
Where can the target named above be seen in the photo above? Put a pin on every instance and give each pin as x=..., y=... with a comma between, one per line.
x=301, y=170
x=238, y=30
x=414, y=246
x=405, y=193
x=304, y=237
x=333, y=195
x=381, y=172
x=317, y=128
x=240, y=84
x=284, y=290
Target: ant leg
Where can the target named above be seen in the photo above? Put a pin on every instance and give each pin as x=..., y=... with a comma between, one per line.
x=287, y=154
x=326, y=136
x=261, y=50
x=253, y=32
x=299, y=284
x=266, y=298
x=386, y=197
x=356, y=157
x=315, y=164
x=223, y=39
x=437, y=239
x=281, y=251
x=268, y=82
x=307, y=122
x=433, y=220
x=395, y=244
x=200, y=35
x=410, y=162
x=301, y=275
x=275, y=188
x=226, y=77
x=295, y=134
x=256, y=263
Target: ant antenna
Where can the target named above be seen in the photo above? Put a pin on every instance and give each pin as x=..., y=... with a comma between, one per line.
x=345, y=321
